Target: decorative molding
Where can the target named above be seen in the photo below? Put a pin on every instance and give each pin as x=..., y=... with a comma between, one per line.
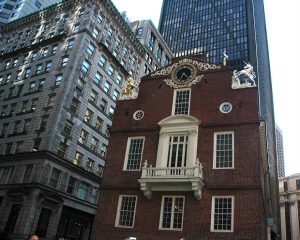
x=173, y=84
x=45, y=174
x=200, y=65
x=179, y=120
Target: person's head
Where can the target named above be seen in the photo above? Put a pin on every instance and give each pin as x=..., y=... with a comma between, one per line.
x=32, y=237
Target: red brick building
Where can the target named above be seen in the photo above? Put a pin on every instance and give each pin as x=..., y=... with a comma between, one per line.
x=185, y=158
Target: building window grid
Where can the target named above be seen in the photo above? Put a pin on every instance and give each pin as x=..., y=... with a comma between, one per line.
x=54, y=177
x=298, y=185
x=126, y=211
x=71, y=185
x=85, y=66
x=224, y=150
x=182, y=102
x=99, y=123
x=107, y=87
x=237, y=26
x=97, y=79
x=82, y=191
x=68, y=127
x=64, y=61
x=83, y=136
x=27, y=173
x=134, y=153
x=78, y=159
x=90, y=49
x=58, y=80
x=172, y=210
x=222, y=214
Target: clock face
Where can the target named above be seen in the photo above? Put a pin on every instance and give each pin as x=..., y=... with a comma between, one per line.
x=184, y=73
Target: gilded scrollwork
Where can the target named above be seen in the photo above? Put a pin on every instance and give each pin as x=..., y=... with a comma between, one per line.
x=200, y=65
x=173, y=84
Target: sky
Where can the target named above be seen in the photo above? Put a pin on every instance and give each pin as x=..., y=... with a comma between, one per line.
x=283, y=28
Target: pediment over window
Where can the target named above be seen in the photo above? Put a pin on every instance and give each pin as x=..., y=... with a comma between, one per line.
x=179, y=120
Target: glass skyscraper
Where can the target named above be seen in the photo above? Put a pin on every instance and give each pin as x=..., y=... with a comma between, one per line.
x=233, y=28
x=216, y=27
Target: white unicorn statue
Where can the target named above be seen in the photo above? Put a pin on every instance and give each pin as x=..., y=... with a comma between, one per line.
x=244, y=78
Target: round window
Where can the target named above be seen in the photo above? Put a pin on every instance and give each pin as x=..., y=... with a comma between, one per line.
x=138, y=115
x=225, y=107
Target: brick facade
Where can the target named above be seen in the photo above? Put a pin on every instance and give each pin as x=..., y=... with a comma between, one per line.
x=243, y=181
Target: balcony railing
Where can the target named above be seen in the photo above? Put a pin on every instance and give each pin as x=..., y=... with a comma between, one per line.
x=172, y=179
x=172, y=172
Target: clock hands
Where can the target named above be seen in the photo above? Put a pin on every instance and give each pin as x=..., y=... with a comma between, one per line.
x=183, y=75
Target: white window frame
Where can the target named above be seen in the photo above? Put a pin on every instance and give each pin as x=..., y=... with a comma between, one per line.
x=213, y=212
x=174, y=99
x=172, y=214
x=127, y=153
x=215, y=150
x=119, y=209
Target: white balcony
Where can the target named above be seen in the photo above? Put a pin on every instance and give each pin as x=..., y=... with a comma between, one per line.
x=172, y=179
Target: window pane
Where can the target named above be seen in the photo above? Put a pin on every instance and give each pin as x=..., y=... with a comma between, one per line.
x=182, y=102
x=172, y=213
x=224, y=150
x=135, y=154
x=222, y=214
x=127, y=208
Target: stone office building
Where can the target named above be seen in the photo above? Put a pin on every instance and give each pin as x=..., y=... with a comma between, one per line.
x=179, y=162
x=289, y=190
x=10, y=10
x=61, y=72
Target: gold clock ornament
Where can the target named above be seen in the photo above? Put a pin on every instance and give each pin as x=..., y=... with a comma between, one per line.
x=184, y=74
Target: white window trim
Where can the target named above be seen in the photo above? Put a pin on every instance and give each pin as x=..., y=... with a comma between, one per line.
x=215, y=150
x=127, y=152
x=172, y=216
x=213, y=212
x=178, y=125
x=119, y=208
x=174, y=99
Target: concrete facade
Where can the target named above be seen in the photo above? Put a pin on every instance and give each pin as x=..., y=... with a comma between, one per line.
x=289, y=190
x=158, y=53
x=11, y=10
x=197, y=181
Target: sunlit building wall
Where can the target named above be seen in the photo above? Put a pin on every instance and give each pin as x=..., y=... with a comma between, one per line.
x=10, y=10
x=61, y=72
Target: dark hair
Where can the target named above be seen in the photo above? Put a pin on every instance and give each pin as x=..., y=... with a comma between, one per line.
x=30, y=235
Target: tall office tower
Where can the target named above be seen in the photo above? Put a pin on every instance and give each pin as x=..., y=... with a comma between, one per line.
x=233, y=28
x=11, y=10
x=280, y=152
x=61, y=72
x=185, y=159
x=289, y=188
x=154, y=44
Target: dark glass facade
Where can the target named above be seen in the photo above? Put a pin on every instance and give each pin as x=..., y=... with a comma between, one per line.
x=238, y=28
x=213, y=26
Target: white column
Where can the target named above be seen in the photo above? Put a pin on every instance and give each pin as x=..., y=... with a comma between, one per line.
x=192, y=148
x=162, y=152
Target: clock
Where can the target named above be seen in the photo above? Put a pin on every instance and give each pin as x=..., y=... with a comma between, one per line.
x=184, y=73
